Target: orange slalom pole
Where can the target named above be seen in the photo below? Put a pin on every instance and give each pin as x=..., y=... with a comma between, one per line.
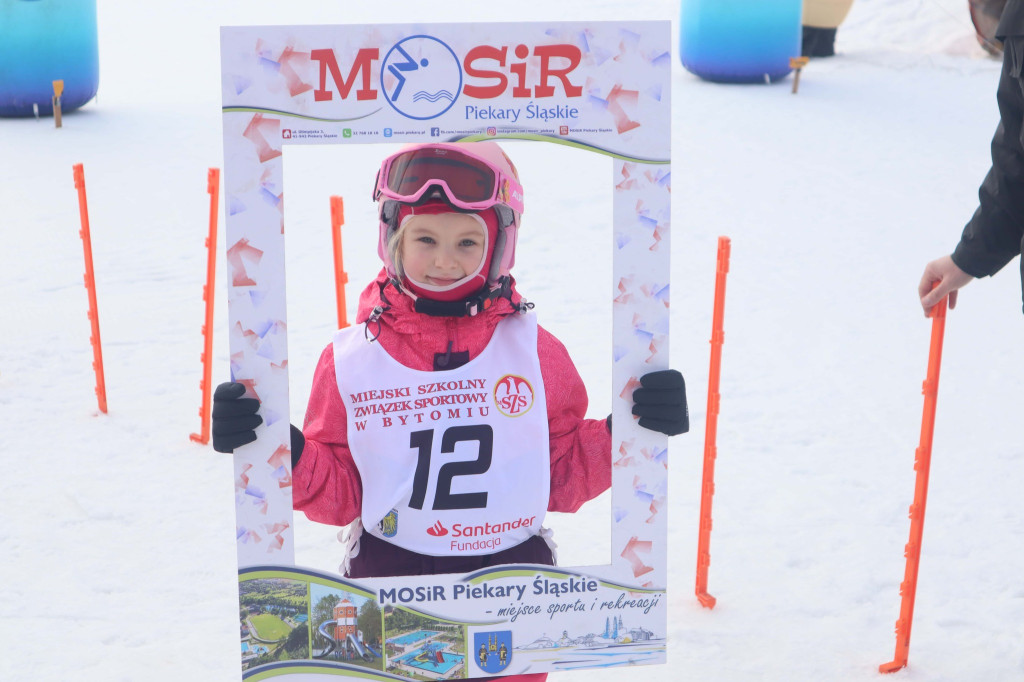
x=340, y=277
x=90, y=285
x=213, y=187
x=922, y=465
x=711, y=427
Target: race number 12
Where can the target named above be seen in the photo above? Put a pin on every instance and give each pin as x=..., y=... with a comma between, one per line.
x=444, y=498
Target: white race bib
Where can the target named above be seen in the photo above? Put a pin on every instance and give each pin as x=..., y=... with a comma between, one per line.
x=454, y=462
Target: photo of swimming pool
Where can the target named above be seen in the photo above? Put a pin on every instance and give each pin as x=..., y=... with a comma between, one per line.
x=426, y=661
x=412, y=637
x=253, y=649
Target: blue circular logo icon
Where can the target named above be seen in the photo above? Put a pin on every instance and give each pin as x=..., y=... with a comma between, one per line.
x=421, y=77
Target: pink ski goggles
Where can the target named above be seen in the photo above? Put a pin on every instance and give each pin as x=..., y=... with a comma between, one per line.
x=469, y=182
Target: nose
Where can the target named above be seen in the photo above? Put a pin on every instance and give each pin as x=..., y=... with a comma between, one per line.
x=444, y=259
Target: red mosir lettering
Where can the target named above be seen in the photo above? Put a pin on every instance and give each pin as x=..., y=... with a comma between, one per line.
x=360, y=65
x=520, y=89
x=489, y=91
x=546, y=53
x=496, y=81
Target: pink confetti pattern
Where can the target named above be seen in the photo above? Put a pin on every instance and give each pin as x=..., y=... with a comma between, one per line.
x=290, y=62
x=237, y=255
x=656, y=507
x=279, y=461
x=631, y=554
x=258, y=130
x=617, y=100
x=625, y=459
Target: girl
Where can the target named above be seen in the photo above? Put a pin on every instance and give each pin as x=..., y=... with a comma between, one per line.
x=448, y=422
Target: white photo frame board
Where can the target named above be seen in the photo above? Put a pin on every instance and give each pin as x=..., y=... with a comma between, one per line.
x=603, y=87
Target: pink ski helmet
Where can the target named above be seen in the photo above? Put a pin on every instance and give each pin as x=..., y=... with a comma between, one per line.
x=471, y=177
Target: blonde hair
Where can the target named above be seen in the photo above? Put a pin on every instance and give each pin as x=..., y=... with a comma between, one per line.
x=395, y=247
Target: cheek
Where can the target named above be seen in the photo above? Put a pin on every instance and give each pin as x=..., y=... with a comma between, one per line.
x=472, y=259
x=412, y=259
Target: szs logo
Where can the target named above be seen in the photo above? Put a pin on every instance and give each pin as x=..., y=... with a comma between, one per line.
x=513, y=395
x=437, y=530
x=421, y=77
x=563, y=130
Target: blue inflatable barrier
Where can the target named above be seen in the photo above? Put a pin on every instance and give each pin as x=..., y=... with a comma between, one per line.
x=42, y=41
x=739, y=41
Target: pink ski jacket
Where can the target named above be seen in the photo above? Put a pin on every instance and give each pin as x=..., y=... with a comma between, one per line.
x=326, y=484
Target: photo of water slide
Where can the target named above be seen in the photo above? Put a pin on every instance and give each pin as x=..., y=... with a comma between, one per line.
x=346, y=627
x=273, y=619
x=423, y=648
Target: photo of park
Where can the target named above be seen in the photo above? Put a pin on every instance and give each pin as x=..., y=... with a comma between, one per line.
x=346, y=627
x=423, y=648
x=274, y=620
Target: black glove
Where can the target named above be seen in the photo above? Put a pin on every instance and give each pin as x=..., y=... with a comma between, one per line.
x=234, y=417
x=660, y=402
x=298, y=443
x=235, y=421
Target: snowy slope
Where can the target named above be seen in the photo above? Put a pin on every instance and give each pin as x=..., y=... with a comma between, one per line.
x=117, y=532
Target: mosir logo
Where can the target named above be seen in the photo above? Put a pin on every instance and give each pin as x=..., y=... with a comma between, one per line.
x=437, y=530
x=421, y=77
x=513, y=395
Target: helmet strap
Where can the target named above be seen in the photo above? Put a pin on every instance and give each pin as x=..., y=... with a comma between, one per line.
x=496, y=255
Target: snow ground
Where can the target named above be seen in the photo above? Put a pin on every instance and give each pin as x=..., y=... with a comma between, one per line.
x=118, y=532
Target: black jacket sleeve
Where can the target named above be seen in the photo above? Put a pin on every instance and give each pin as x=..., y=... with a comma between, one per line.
x=992, y=238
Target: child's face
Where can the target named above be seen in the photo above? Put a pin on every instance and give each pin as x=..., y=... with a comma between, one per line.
x=440, y=249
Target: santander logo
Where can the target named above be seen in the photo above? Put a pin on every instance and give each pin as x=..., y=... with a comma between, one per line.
x=437, y=530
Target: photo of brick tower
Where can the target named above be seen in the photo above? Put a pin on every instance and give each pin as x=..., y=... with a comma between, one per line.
x=346, y=628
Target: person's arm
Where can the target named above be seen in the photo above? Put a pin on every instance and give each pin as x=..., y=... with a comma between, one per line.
x=325, y=481
x=992, y=238
x=581, y=449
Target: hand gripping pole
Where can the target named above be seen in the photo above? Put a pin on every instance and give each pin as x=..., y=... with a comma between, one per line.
x=213, y=187
x=711, y=427
x=90, y=285
x=922, y=464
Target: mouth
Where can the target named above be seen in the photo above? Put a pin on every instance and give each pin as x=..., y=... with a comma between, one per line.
x=441, y=281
